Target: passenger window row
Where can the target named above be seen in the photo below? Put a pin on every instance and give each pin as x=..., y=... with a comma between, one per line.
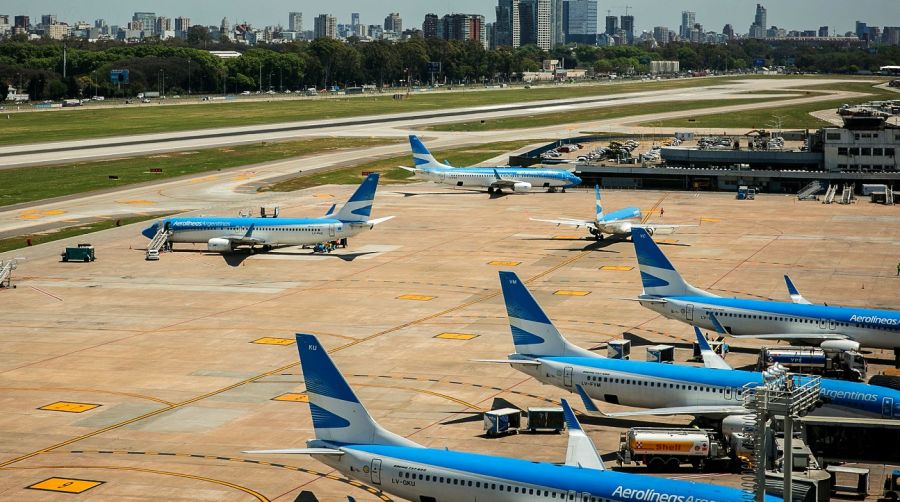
x=499, y=487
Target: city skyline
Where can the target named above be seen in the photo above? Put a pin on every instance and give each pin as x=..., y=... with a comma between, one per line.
x=713, y=15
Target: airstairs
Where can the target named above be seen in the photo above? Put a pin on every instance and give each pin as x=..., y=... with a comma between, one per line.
x=809, y=191
x=889, y=196
x=6, y=268
x=830, y=194
x=159, y=240
x=847, y=195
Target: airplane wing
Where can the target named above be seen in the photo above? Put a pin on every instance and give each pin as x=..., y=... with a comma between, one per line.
x=501, y=182
x=796, y=297
x=297, y=451
x=707, y=410
x=659, y=229
x=566, y=221
x=580, y=451
x=410, y=169
x=710, y=358
x=245, y=240
x=526, y=362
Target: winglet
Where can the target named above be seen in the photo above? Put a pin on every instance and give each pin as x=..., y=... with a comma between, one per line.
x=581, y=451
x=250, y=231
x=796, y=297
x=586, y=399
x=710, y=358
x=497, y=175
x=331, y=210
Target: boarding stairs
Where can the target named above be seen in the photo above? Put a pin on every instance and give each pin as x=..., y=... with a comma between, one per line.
x=889, y=196
x=829, y=194
x=847, y=195
x=6, y=268
x=159, y=240
x=809, y=191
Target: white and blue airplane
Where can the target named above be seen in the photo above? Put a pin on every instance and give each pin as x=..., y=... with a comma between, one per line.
x=618, y=222
x=800, y=322
x=494, y=179
x=224, y=235
x=348, y=439
x=714, y=391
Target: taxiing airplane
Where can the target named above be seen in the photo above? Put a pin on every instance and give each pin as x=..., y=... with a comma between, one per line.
x=799, y=322
x=619, y=222
x=224, y=235
x=348, y=439
x=494, y=179
x=713, y=392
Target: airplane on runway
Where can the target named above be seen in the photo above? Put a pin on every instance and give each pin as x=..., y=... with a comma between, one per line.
x=348, y=439
x=799, y=322
x=224, y=235
x=495, y=179
x=713, y=392
x=619, y=222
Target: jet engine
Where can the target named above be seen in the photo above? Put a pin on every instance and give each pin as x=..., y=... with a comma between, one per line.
x=219, y=245
x=844, y=345
x=521, y=187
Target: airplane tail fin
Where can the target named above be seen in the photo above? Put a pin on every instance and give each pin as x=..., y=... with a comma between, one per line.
x=337, y=414
x=359, y=207
x=658, y=275
x=532, y=331
x=421, y=156
x=600, y=215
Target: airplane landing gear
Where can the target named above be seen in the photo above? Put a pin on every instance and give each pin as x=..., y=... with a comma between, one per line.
x=490, y=189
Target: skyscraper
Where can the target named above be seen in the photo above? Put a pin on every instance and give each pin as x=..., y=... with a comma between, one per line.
x=224, y=30
x=661, y=35
x=628, y=28
x=823, y=31
x=430, y=26
x=728, y=31
x=557, y=34
x=464, y=27
x=354, y=24
x=182, y=24
x=507, y=29
x=48, y=20
x=688, y=19
x=758, y=28
x=582, y=26
x=393, y=23
x=295, y=21
x=163, y=24
x=147, y=21
x=325, y=26
x=528, y=22
x=612, y=25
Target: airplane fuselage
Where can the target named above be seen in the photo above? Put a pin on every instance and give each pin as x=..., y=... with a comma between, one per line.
x=486, y=177
x=643, y=384
x=744, y=317
x=273, y=231
x=618, y=222
x=442, y=475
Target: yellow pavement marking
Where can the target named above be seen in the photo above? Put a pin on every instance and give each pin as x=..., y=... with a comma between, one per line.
x=69, y=407
x=268, y=340
x=293, y=397
x=456, y=336
x=323, y=196
x=504, y=263
x=53, y=212
x=136, y=202
x=711, y=220
x=667, y=241
x=420, y=298
x=621, y=268
x=66, y=485
x=29, y=216
x=566, y=237
x=203, y=179
x=566, y=292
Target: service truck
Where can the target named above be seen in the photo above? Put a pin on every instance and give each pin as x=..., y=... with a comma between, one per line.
x=828, y=363
x=661, y=448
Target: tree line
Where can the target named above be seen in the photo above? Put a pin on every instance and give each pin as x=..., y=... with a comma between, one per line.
x=176, y=67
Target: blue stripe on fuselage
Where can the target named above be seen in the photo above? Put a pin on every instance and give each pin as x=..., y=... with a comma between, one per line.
x=213, y=223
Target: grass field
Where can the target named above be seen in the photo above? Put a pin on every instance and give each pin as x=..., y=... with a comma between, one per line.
x=590, y=114
x=465, y=156
x=790, y=117
x=36, y=183
x=19, y=242
x=69, y=124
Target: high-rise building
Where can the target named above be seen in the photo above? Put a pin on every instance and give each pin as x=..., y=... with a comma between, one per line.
x=463, y=27
x=612, y=25
x=182, y=24
x=823, y=31
x=147, y=21
x=325, y=26
x=295, y=21
x=628, y=28
x=582, y=21
x=163, y=24
x=528, y=22
x=760, y=18
x=891, y=35
x=430, y=26
x=354, y=24
x=393, y=23
x=862, y=30
x=99, y=23
x=728, y=31
x=557, y=17
x=48, y=20
x=224, y=29
x=507, y=29
x=688, y=19
x=661, y=35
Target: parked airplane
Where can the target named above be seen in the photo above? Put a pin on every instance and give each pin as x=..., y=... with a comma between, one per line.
x=348, y=439
x=223, y=235
x=712, y=392
x=515, y=179
x=619, y=222
x=843, y=328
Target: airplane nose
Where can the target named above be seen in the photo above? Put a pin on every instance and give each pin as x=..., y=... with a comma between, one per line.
x=150, y=231
x=575, y=180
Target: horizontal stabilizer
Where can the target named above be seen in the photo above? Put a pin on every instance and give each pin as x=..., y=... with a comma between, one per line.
x=703, y=411
x=297, y=451
x=526, y=362
x=566, y=221
x=410, y=169
x=648, y=300
x=377, y=221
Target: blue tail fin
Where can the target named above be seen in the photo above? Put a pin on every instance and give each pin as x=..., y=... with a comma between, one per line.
x=422, y=158
x=658, y=275
x=359, y=207
x=532, y=331
x=600, y=214
x=338, y=416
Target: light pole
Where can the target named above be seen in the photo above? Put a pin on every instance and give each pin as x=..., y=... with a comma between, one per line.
x=189, y=76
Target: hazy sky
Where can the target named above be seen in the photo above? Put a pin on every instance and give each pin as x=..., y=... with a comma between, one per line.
x=713, y=14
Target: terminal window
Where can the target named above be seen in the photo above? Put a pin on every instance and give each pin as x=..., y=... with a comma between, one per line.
x=854, y=151
x=888, y=152
x=866, y=151
x=877, y=152
x=833, y=135
x=842, y=150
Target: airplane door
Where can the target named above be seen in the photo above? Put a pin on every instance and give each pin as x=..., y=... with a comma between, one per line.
x=375, y=471
x=729, y=393
x=567, y=376
x=887, y=407
x=331, y=230
x=831, y=324
x=689, y=312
